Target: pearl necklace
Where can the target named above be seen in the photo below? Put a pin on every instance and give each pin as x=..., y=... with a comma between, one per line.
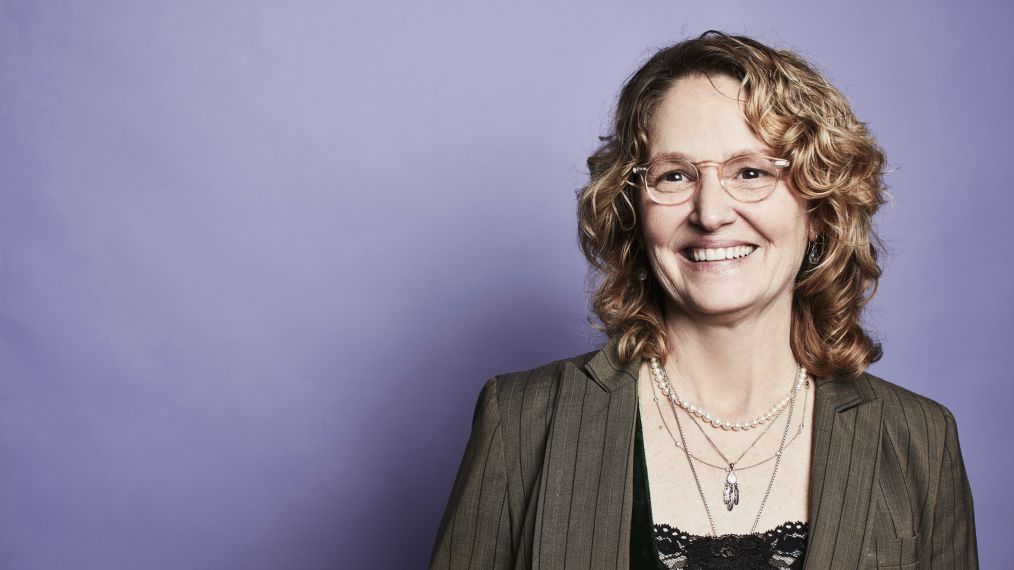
x=668, y=390
x=725, y=468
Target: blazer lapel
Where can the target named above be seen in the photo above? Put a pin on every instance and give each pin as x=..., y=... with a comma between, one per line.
x=582, y=518
x=846, y=445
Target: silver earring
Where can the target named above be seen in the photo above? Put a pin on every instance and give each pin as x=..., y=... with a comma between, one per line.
x=813, y=256
x=642, y=275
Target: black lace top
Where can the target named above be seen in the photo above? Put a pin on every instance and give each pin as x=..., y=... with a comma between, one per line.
x=665, y=547
x=780, y=547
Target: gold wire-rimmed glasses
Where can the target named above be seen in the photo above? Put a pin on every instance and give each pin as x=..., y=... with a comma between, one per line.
x=672, y=179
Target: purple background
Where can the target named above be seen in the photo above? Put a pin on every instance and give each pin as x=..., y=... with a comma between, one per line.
x=256, y=259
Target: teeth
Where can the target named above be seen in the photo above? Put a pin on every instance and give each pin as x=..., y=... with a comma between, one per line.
x=720, y=253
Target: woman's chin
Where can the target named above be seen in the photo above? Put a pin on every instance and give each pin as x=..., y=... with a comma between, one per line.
x=717, y=304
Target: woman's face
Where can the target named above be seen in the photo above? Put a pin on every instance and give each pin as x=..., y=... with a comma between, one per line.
x=704, y=123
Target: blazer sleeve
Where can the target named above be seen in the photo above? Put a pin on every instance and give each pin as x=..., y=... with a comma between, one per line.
x=475, y=530
x=953, y=540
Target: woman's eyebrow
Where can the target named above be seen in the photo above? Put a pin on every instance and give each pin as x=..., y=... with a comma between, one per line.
x=728, y=155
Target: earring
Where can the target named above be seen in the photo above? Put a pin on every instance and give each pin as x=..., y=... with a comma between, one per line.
x=812, y=256
x=642, y=275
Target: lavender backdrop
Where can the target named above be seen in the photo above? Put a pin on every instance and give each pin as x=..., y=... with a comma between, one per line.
x=257, y=258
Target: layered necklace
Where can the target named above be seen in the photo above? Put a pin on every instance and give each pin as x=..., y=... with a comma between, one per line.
x=798, y=431
x=730, y=492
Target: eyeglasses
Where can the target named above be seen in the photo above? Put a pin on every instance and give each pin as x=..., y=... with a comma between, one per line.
x=748, y=178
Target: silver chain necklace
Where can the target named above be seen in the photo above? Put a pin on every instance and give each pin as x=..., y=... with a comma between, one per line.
x=730, y=495
x=733, y=463
x=731, y=491
x=799, y=431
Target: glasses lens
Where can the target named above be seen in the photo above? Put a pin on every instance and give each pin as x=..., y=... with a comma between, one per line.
x=751, y=177
x=672, y=180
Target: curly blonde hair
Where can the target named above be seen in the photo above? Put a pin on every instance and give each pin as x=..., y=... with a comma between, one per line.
x=835, y=164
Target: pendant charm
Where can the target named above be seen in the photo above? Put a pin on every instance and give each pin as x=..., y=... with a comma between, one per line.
x=731, y=494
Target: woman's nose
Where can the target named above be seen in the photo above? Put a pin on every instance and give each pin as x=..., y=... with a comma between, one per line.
x=713, y=206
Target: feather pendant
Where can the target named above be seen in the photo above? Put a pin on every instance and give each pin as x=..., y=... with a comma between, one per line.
x=730, y=496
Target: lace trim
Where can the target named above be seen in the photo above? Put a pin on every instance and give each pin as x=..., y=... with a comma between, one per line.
x=781, y=547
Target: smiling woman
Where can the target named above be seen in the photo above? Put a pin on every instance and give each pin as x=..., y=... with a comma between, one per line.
x=730, y=420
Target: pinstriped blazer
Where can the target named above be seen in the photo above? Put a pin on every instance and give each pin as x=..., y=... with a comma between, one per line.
x=546, y=478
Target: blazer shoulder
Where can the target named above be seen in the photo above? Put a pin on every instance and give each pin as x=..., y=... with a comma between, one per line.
x=541, y=379
x=903, y=403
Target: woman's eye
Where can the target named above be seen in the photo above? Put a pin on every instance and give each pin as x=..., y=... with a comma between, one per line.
x=674, y=176
x=752, y=174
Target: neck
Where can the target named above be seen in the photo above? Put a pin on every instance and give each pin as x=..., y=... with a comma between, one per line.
x=734, y=367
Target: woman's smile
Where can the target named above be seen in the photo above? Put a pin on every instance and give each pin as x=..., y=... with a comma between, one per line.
x=716, y=259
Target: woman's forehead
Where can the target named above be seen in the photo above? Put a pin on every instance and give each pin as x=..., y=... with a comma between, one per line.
x=699, y=120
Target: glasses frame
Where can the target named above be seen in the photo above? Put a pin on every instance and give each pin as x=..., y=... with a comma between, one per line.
x=779, y=163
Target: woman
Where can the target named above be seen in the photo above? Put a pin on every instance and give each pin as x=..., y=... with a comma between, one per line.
x=729, y=421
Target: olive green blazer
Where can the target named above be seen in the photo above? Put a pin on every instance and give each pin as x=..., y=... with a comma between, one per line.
x=546, y=478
